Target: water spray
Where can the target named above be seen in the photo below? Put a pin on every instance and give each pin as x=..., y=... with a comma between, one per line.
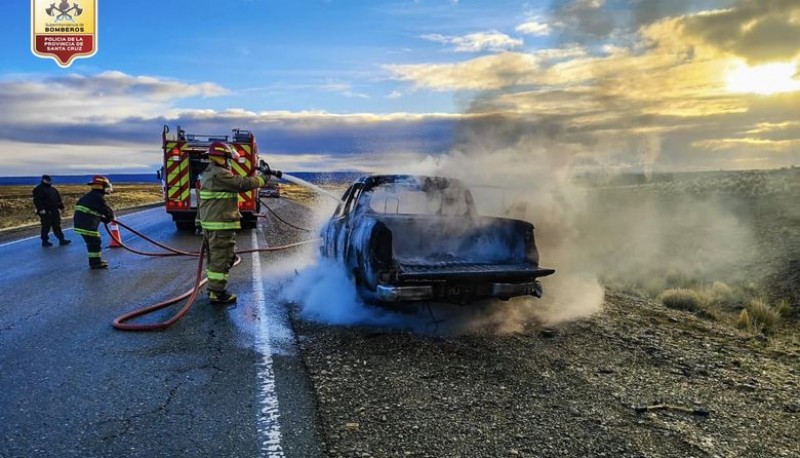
x=305, y=183
x=264, y=168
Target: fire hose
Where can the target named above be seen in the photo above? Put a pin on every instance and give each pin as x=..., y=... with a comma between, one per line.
x=281, y=219
x=121, y=322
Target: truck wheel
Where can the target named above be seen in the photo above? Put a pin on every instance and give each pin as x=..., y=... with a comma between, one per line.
x=249, y=224
x=185, y=226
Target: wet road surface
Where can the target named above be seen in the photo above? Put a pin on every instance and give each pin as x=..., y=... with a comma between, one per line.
x=220, y=382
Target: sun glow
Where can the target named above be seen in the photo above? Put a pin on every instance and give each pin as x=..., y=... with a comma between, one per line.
x=764, y=79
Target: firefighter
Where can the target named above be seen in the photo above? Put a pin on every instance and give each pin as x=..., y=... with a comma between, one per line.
x=219, y=215
x=49, y=206
x=90, y=210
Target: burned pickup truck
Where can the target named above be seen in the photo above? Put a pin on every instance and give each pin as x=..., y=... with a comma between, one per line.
x=416, y=238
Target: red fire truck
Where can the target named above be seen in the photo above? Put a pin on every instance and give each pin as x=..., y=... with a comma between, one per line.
x=185, y=159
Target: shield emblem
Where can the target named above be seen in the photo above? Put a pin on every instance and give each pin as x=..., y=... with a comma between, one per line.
x=63, y=30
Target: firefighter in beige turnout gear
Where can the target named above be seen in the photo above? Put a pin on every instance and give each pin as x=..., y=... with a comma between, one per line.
x=218, y=212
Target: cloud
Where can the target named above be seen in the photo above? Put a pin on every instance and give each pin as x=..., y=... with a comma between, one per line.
x=477, y=42
x=113, y=121
x=482, y=73
x=761, y=143
x=757, y=30
x=651, y=96
x=534, y=28
x=100, y=98
x=115, y=83
x=582, y=19
x=66, y=159
x=629, y=92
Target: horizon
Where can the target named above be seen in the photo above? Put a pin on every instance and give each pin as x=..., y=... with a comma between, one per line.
x=596, y=172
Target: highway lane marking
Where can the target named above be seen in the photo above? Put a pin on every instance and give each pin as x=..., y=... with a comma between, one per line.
x=269, y=430
x=28, y=238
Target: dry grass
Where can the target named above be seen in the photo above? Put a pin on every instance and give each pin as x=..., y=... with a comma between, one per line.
x=683, y=299
x=784, y=308
x=759, y=317
x=297, y=193
x=16, y=202
x=306, y=196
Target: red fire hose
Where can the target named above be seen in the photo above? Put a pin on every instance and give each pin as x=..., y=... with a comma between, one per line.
x=121, y=323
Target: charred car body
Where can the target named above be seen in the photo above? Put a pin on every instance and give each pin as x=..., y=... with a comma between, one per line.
x=416, y=238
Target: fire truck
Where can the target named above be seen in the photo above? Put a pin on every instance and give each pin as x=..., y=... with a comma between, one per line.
x=185, y=159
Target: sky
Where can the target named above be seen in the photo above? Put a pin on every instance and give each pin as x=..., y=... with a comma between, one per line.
x=621, y=85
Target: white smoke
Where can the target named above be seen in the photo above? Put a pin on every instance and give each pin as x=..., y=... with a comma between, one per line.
x=326, y=294
x=533, y=181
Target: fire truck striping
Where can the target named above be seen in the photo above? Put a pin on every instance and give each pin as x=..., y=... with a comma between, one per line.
x=269, y=432
x=185, y=157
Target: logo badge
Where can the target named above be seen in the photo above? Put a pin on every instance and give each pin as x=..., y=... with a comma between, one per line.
x=64, y=30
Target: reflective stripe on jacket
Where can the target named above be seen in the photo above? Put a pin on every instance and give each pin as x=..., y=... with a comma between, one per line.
x=219, y=197
x=90, y=210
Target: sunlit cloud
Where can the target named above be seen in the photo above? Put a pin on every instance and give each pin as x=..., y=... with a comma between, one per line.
x=767, y=127
x=760, y=143
x=764, y=79
x=482, y=73
x=756, y=30
x=652, y=93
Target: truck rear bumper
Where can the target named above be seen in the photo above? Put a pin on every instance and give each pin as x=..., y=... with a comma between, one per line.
x=389, y=293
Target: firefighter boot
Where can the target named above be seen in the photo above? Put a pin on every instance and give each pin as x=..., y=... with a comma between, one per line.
x=63, y=242
x=101, y=264
x=221, y=297
x=46, y=243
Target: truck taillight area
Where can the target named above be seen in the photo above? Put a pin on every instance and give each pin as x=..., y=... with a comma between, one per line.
x=185, y=158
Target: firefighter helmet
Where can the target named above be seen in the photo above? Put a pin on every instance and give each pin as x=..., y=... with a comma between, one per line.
x=223, y=150
x=101, y=182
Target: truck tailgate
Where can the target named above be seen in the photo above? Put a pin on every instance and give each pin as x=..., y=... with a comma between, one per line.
x=455, y=270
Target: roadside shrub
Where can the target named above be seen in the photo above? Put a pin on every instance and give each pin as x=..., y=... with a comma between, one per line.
x=783, y=308
x=758, y=317
x=721, y=293
x=745, y=323
x=682, y=299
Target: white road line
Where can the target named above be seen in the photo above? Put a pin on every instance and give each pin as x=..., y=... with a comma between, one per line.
x=28, y=238
x=269, y=431
x=64, y=230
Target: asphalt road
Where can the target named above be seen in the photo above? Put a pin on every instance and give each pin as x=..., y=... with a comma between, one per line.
x=222, y=382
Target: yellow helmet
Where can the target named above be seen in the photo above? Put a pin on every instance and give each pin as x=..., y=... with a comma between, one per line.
x=220, y=152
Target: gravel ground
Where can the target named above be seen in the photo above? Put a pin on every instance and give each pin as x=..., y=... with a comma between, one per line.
x=566, y=391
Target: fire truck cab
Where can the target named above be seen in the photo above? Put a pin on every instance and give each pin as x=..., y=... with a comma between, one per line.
x=186, y=157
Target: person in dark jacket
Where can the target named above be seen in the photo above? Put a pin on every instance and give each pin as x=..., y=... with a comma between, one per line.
x=48, y=205
x=90, y=210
